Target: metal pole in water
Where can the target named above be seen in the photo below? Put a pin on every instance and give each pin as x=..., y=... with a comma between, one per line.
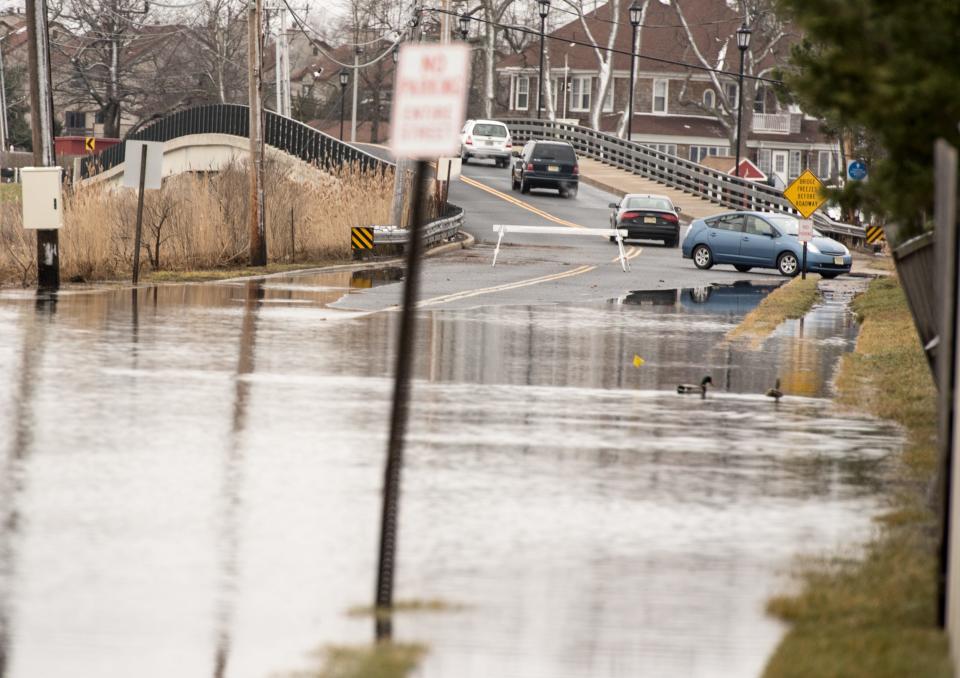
x=139, y=232
x=386, y=563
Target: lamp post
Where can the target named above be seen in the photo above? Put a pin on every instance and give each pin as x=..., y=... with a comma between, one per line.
x=743, y=43
x=464, y=25
x=635, y=14
x=344, y=80
x=544, y=10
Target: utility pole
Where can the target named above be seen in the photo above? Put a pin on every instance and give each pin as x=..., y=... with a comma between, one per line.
x=258, y=238
x=282, y=65
x=356, y=84
x=41, y=116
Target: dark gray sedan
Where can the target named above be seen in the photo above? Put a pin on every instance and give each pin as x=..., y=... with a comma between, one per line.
x=648, y=217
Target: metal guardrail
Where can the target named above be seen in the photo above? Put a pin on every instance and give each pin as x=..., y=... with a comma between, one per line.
x=288, y=135
x=435, y=232
x=670, y=170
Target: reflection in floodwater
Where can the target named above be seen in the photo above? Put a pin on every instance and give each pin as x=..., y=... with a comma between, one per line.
x=211, y=485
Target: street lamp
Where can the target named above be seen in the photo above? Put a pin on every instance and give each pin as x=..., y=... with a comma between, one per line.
x=544, y=10
x=464, y=25
x=344, y=79
x=743, y=43
x=635, y=15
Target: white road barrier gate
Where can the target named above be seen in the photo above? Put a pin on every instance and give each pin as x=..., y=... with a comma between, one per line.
x=618, y=233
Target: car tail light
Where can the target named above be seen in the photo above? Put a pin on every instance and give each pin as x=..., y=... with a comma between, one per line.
x=576, y=169
x=529, y=166
x=507, y=143
x=630, y=215
x=672, y=218
x=469, y=141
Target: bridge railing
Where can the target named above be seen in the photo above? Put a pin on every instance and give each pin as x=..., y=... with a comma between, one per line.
x=288, y=135
x=670, y=170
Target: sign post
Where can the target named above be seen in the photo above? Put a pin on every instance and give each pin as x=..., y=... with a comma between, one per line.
x=806, y=195
x=428, y=112
x=144, y=172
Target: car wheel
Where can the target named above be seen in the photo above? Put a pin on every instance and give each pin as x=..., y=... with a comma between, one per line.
x=742, y=268
x=573, y=192
x=514, y=184
x=524, y=186
x=464, y=159
x=702, y=257
x=674, y=243
x=564, y=193
x=788, y=265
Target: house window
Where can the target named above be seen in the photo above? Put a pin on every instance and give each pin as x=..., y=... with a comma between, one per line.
x=76, y=120
x=760, y=101
x=794, y=164
x=709, y=98
x=825, y=165
x=521, y=93
x=580, y=92
x=698, y=153
x=765, y=160
x=660, y=89
x=98, y=118
x=730, y=90
x=669, y=149
x=608, y=99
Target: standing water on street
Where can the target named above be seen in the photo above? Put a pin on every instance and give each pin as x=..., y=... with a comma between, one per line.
x=192, y=479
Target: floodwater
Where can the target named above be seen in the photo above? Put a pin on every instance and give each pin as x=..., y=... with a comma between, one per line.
x=191, y=478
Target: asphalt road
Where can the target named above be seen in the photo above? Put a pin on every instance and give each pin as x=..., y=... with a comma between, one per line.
x=536, y=269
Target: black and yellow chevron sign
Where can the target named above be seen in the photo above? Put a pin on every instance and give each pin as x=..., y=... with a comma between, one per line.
x=362, y=237
x=874, y=234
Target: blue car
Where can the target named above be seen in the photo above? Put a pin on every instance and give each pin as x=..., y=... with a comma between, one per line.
x=762, y=240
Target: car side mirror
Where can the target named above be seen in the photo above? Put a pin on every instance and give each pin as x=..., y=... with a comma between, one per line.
x=677, y=208
x=614, y=205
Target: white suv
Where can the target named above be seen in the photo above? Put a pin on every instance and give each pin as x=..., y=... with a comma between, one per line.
x=486, y=139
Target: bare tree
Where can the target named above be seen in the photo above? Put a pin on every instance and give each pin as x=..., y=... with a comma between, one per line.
x=219, y=46
x=769, y=46
x=114, y=60
x=604, y=55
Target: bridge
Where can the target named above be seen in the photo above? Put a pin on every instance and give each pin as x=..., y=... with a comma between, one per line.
x=207, y=138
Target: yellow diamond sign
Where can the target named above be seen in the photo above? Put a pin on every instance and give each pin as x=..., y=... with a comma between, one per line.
x=805, y=193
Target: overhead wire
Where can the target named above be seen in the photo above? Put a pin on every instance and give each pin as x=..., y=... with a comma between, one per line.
x=305, y=29
x=574, y=41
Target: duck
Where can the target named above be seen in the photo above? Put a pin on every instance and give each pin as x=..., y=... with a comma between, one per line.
x=775, y=392
x=692, y=388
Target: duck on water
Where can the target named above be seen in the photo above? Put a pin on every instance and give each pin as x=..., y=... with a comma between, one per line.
x=693, y=388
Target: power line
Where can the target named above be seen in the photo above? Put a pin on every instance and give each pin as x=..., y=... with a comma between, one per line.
x=573, y=41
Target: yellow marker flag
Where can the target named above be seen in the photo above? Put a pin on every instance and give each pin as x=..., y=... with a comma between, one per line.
x=638, y=361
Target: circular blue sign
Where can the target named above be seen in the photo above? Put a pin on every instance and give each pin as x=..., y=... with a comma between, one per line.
x=857, y=170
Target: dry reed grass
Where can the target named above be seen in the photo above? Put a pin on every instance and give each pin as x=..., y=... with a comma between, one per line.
x=199, y=221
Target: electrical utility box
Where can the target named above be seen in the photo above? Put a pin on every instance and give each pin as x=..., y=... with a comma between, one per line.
x=42, y=198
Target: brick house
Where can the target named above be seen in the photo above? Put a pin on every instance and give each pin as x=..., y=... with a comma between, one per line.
x=677, y=110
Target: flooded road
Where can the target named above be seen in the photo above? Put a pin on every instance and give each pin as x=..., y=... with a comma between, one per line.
x=191, y=480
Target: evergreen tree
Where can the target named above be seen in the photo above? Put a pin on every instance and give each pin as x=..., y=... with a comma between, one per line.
x=886, y=71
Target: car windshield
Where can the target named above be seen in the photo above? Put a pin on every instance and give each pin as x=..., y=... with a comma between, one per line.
x=555, y=152
x=486, y=130
x=648, y=203
x=789, y=225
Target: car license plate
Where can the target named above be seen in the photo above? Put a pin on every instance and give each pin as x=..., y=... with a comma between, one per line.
x=649, y=220
x=488, y=143
x=838, y=261
x=553, y=168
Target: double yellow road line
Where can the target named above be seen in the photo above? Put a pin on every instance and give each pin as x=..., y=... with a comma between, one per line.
x=631, y=252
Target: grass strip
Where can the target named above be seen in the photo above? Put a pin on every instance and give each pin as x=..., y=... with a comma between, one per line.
x=792, y=300
x=225, y=273
x=382, y=660
x=875, y=616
